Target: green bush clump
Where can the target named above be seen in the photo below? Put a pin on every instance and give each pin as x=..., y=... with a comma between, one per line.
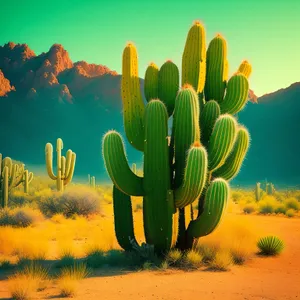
x=290, y=213
x=18, y=217
x=270, y=245
x=73, y=201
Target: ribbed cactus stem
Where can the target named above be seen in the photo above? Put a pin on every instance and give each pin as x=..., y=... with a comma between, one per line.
x=168, y=85
x=5, y=179
x=215, y=204
x=216, y=70
x=158, y=205
x=245, y=68
x=221, y=141
x=151, y=82
x=185, y=127
x=27, y=180
x=208, y=118
x=234, y=161
x=117, y=165
x=194, y=58
x=123, y=218
x=195, y=175
x=93, y=182
x=236, y=94
x=132, y=98
x=257, y=192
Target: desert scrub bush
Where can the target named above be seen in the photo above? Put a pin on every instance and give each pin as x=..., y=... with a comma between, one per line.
x=249, y=208
x=290, y=213
x=292, y=203
x=222, y=261
x=18, y=198
x=66, y=259
x=192, y=259
x=240, y=253
x=270, y=245
x=207, y=251
x=267, y=205
x=280, y=209
x=173, y=257
x=95, y=258
x=77, y=200
x=19, y=217
x=236, y=196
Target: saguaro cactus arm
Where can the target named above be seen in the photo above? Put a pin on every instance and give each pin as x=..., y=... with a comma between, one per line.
x=49, y=160
x=117, y=166
x=216, y=199
x=194, y=177
x=132, y=98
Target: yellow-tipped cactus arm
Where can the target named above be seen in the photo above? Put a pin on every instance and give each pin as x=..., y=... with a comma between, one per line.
x=49, y=161
x=68, y=161
x=70, y=174
x=30, y=177
x=7, y=162
x=5, y=187
x=12, y=177
x=63, y=167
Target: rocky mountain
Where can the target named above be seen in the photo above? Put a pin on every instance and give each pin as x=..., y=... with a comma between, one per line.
x=46, y=96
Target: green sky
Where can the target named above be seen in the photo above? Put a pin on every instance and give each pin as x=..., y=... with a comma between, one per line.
x=266, y=32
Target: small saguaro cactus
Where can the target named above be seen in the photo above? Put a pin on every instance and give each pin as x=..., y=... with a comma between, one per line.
x=92, y=181
x=11, y=176
x=65, y=165
x=258, y=192
x=28, y=176
x=206, y=148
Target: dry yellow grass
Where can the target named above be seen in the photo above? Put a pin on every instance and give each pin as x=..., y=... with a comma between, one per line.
x=22, y=287
x=67, y=286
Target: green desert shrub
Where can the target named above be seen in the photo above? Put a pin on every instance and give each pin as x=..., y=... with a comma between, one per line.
x=18, y=217
x=95, y=258
x=280, y=209
x=77, y=200
x=236, y=196
x=267, y=205
x=67, y=259
x=292, y=203
x=290, y=213
x=250, y=208
x=270, y=245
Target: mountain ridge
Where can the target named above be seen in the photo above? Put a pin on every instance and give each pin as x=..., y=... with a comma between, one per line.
x=48, y=96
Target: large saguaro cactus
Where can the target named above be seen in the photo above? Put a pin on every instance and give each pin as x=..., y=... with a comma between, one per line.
x=205, y=150
x=65, y=165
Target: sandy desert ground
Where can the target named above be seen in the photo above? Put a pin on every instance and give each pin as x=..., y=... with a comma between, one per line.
x=260, y=278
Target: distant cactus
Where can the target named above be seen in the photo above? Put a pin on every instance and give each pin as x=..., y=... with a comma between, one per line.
x=258, y=192
x=92, y=181
x=11, y=176
x=65, y=165
x=205, y=150
x=27, y=180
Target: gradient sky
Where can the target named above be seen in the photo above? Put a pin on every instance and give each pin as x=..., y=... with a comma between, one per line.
x=266, y=32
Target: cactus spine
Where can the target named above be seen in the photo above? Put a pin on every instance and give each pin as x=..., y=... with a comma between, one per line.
x=186, y=166
x=65, y=165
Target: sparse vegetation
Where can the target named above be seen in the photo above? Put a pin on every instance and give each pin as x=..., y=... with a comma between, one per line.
x=270, y=245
